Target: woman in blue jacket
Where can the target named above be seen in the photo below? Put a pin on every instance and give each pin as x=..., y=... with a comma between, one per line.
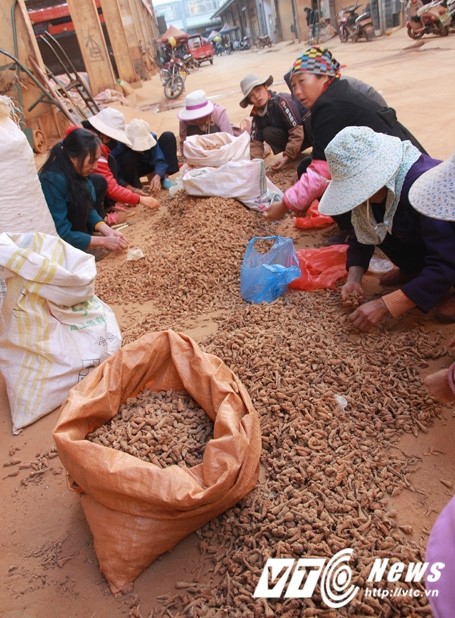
x=70, y=193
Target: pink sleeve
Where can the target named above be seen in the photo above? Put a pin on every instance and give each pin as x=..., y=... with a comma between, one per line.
x=310, y=186
x=222, y=120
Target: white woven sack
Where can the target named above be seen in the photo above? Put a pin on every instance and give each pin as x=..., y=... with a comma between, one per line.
x=216, y=149
x=244, y=181
x=22, y=204
x=53, y=329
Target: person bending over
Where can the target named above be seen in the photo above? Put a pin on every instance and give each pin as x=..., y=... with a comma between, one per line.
x=334, y=105
x=70, y=193
x=371, y=177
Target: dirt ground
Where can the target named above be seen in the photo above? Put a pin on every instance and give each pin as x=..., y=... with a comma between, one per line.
x=47, y=560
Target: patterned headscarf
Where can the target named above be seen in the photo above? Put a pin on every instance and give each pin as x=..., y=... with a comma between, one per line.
x=318, y=61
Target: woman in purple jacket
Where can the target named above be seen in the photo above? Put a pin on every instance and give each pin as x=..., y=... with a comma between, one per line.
x=371, y=177
x=201, y=117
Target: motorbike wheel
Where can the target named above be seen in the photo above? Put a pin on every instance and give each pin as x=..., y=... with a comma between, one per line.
x=369, y=34
x=343, y=35
x=174, y=87
x=443, y=31
x=415, y=35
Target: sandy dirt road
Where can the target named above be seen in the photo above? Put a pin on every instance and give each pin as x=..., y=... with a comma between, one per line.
x=47, y=562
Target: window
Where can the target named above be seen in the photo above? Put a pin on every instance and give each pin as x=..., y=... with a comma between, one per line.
x=199, y=7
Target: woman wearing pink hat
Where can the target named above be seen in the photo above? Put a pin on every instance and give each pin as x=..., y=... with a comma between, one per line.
x=201, y=117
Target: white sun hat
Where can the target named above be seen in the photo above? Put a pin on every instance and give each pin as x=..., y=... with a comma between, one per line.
x=110, y=122
x=196, y=106
x=249, y=82
x=433, y=193
x=138, y=132
x=361, y=162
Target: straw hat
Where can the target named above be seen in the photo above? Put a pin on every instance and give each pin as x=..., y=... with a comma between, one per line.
x=110, y=122
x=248, y=83
x=196, y=106
x=433, y=193
x=138, y=132
x=361, y=162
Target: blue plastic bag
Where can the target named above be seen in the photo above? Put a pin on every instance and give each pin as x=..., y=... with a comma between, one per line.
x=266, y=276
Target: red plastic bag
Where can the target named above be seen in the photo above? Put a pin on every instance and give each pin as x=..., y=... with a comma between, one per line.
x=321, y=268
x=313, y=218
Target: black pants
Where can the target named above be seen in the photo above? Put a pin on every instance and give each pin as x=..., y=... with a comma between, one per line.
x=133, y=166
x=100, y=184
x=277, y=139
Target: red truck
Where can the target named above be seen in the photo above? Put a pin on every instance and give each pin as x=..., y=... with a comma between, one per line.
x=201, y=49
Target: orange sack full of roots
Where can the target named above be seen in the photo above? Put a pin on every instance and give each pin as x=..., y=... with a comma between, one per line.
x=137, y=510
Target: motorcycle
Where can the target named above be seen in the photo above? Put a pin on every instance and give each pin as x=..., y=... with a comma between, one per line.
x=173, y=75
x=263, y=41
x=432, y=18
x=353, y=26
x=244, y=43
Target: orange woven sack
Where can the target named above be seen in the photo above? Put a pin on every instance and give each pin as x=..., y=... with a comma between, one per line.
x=313, y=218
x=321, y=268
x=135, y=509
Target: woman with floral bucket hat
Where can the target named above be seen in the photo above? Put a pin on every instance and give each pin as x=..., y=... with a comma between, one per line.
x=371, y=178
x=334, y=105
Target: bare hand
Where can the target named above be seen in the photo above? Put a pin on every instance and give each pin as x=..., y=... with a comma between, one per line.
x=149, y=201
x=138, y=191
x=155, y=184
x=280, y=163
x=276, y=211
x=115, y=241
x=368, y=315
x=351, y=294
x=438, y=386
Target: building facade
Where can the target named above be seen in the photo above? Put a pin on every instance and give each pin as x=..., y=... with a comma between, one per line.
x=192, y=16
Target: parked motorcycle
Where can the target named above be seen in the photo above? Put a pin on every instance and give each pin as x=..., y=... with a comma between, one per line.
x=432, y=18
x=353, y=26
x=173, y=75
x=244, y=43
x=263, y=41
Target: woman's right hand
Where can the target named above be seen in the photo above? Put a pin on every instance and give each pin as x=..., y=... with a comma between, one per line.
x=149, y=201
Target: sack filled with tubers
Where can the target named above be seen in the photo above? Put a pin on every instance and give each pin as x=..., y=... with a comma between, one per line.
x=137, y=510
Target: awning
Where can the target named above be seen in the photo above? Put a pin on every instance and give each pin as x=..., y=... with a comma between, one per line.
x=172, y=31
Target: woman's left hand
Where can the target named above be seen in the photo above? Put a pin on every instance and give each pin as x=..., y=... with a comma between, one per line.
x=282, y=161
x=155, y=184
x=369, y=315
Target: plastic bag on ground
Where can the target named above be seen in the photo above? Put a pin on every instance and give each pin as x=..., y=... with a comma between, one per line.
x=313, y=218
x=216, y=149
x=135, y=509
x=53, y=329
x=321, y=268
x=265, y=276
